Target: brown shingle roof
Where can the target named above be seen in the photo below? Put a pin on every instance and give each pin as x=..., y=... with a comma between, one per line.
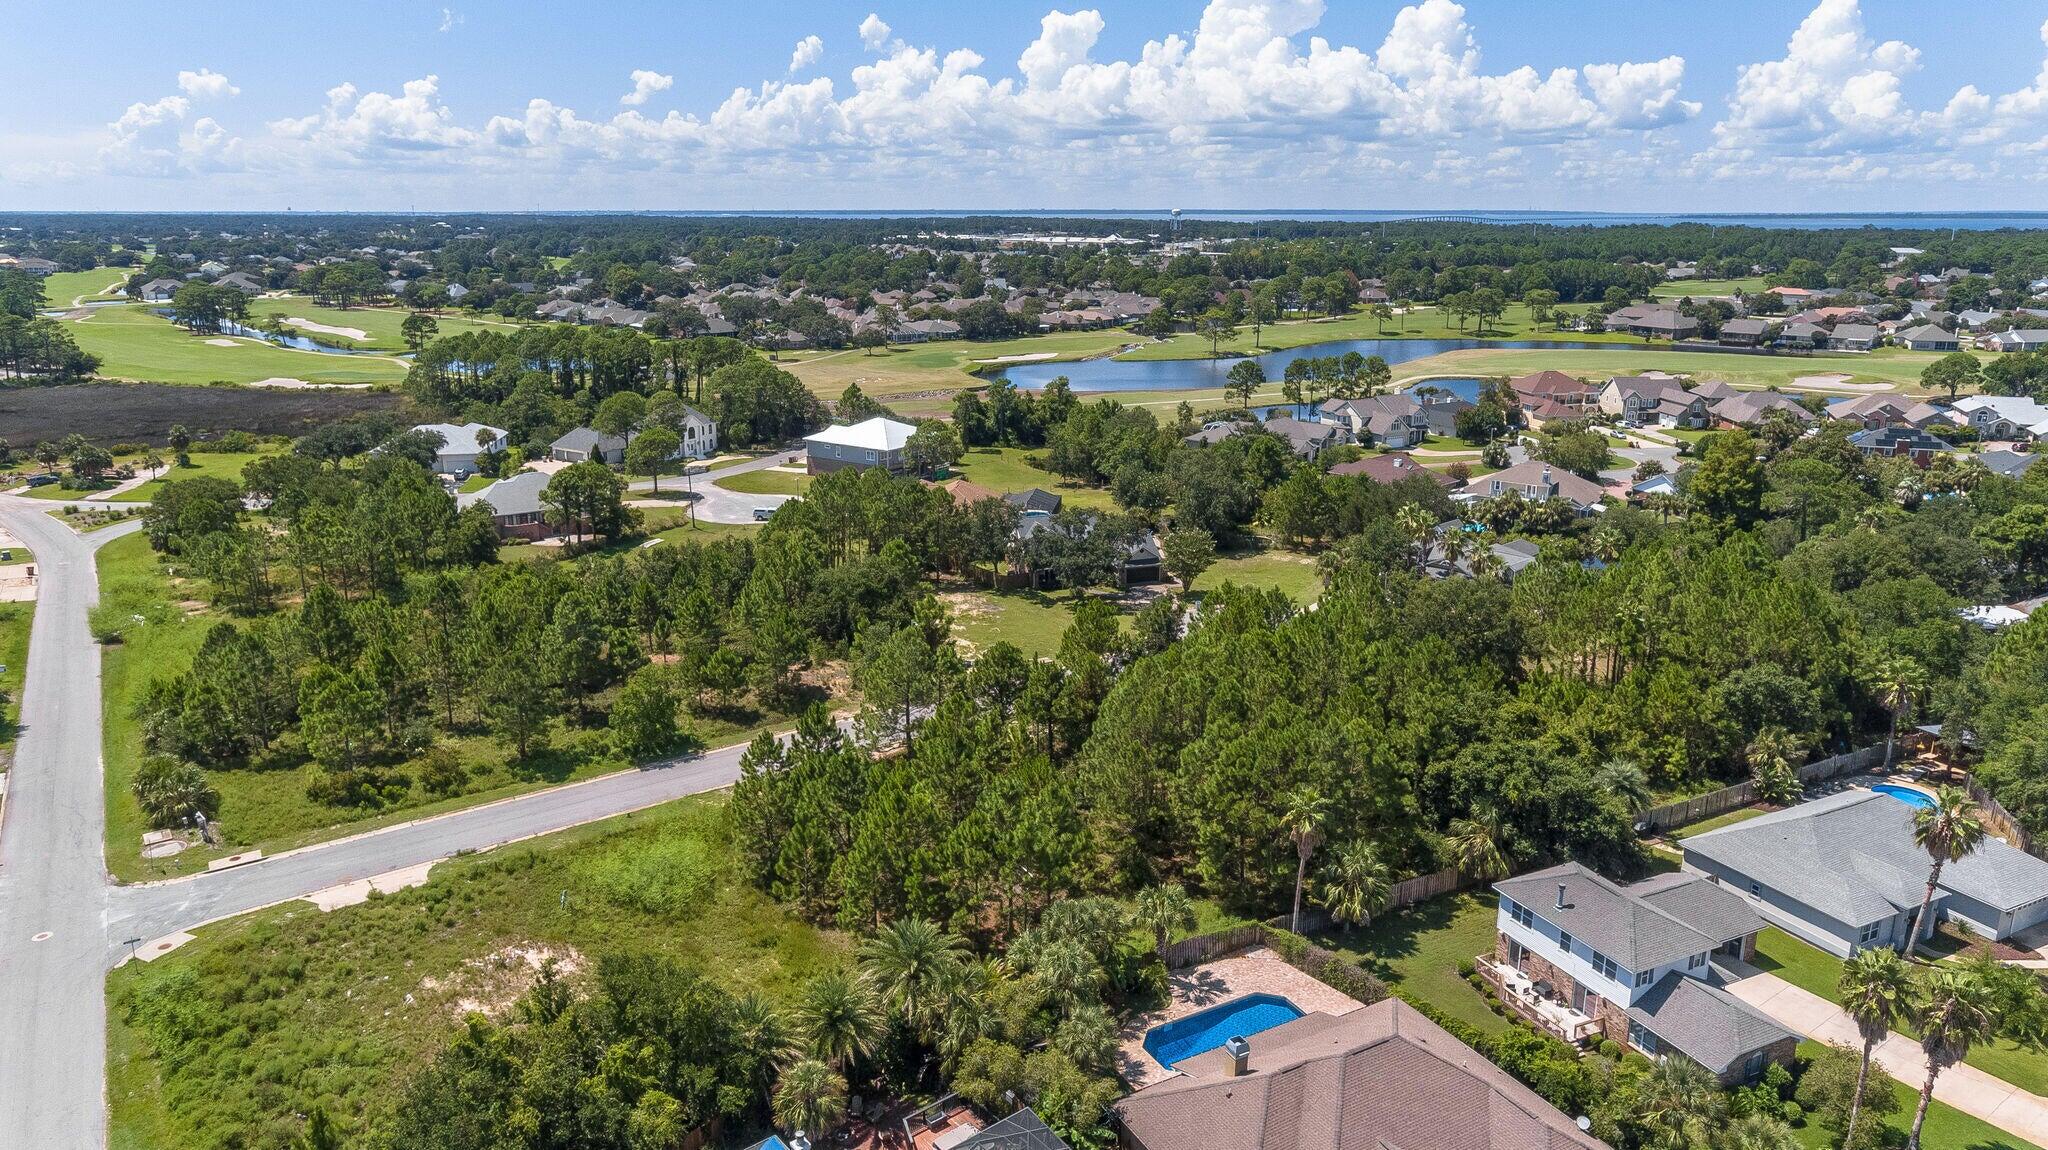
x=1383, y=1076
x=1392, y=467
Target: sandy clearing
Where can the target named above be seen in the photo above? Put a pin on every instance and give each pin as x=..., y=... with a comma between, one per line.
x=1022, y=357
x=288, y=383
x=222, y=343
x=326, y=329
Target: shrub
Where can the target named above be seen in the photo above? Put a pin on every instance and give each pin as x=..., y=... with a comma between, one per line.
x=1467, y=968
x=442, y=772
x=169, y=790
x=368, y=787
x=1325, y=967
x=666, y=875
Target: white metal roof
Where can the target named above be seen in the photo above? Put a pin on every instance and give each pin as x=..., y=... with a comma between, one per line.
x=877, y=434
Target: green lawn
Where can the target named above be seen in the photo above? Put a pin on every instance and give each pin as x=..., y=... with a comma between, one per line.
x=339, y=1009
x=1032, y=621
x=766, y=482
x=135, y=344
x=1820, y=973
x=264, y=805
x=226, y=465
x=1946, y=1129
x=1679, y=289
x=1008, y=469
x=1289, y=571
x=15, y=622
x=925, y=375
x=1417, y=951
x=65, y=288
x=1717, y=822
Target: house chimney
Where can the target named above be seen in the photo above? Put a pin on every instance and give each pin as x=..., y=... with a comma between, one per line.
x=1560, y=896
x=1546, y=475
x=1240, y=1052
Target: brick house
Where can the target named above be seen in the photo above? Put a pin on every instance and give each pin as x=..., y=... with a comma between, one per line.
x=1584, y=959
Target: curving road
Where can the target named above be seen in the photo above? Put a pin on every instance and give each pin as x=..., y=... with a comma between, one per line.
x=63, y=922
x=716, y=504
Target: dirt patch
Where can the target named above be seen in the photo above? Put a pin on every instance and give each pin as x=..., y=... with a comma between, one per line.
x=142, y=412
x=491, y=984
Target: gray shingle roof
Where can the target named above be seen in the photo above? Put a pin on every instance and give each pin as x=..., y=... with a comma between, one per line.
x=1020, y=1131
x=589, y=441
x=1700, y=903
x=1851, y=857
x=1628, y=930
x=516, y=495
x=1704, y=1022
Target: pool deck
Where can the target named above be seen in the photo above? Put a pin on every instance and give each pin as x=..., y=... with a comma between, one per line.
x=1255, y=971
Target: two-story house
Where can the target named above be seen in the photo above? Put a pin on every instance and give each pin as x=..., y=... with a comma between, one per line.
x=1585, y=959
x=1391, y=421
x=1656, y=400
x=877, y=442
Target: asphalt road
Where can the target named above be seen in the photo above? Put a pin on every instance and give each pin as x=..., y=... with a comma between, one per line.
x=63, y=922
x=715, y=504
x=53, y=882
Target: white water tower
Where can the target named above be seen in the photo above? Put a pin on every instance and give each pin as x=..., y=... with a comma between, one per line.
x=1176, y=223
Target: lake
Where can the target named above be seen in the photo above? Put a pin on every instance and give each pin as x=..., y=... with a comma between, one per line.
x=1189, y=374
x=1159, y=217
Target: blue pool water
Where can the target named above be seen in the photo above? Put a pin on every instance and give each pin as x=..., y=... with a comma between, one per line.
x=1906, y=795
x=1183, y=1038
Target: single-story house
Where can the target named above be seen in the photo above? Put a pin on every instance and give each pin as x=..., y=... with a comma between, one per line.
x=1652, y=321
x=1553, y=386
x=1843, y=873
x=2003, y=416
x=1393, y=467
x=34, y=266
x=242, y=282
x=1747, y=331
x=1535, y=480
x=1142, y=562
x=516, y=508
x=924, y=331
x=2017, y=339
x=1853, y=337
x=1874, y=411
x=159, y=290
x=1662, y=484
x=1974, y=318
x=876, y=442
x=1800, y=333
x=1381, y=1076
x=1216, y=431
x=460, y=445
x=1747, y=408
x=1928, y=337
x=2011, y=464
x=1034, y=501
x=586, y=443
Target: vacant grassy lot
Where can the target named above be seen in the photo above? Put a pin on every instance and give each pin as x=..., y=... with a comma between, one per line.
x=264, y=804
x=1032, y=621
x=766, y=482
x=1818, y=972
x=1679, y=289
x=1289, y=571
x=1417, y=951
x=300, y=1009
x=1009, y=469
x=110, y=413
x=15, y=622
x=134, y=343
x=920, y=379
x=226, y=465
x=1896, y=369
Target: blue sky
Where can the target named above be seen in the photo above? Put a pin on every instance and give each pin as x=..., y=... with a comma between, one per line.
x=1806, y=105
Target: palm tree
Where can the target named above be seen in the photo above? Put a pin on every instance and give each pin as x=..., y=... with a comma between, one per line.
x=1477, y=845
x=811, y=1096
x=1681, y=1102
x=907, y=963
x=1162, y=910
x=1381, y=313
x=1415, y=522
x=1947, y=831
x=838, y=1018
x=1771, y=756
x=966, y=1015
x=1625, y=780
x=1355, y=884
x=1896, y=679
x=1960, y=1011
x=1876, y=989
x=1306, y=812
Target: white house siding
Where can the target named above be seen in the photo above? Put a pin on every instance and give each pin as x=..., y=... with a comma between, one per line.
x=1543, y=940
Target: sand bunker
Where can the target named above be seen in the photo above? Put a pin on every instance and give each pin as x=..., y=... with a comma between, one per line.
x=326, y=329
x=1025, y=357
x=288, y=383
x=222, y=343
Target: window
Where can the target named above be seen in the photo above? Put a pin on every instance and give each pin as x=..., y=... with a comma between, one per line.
x=871, y=457
x=1522, y=914
x=1564, y=941
x=1643, y=977
x=1869, y=934
x=1695, y=962
x=1756, y=890
x=1641, y=1039
x=1606, y=967
x=1753, y=1066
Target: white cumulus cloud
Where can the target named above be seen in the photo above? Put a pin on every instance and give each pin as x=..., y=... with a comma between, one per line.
x=645, y=84
x=206, y=84
x=874, y=32
x=807, y=52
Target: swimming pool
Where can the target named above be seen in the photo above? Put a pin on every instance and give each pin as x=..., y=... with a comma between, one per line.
x=1911, y=796
x=1205, y=1030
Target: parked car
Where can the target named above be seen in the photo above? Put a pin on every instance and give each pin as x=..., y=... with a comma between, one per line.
x=41, y=480
x=763, y=514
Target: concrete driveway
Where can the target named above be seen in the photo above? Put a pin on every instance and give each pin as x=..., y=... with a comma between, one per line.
x=1962, y=1086
x=716, y=504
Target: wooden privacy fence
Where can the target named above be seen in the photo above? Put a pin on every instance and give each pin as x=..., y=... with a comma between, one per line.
x=1203, y=948
x=1706, y=806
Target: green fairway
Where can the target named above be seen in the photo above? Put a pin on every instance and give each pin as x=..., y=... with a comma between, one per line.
x=1679, y=289
x=902, y=376
x=67, y=288
x=1892, y=369
x=134, y=343
x=359, y=327
x=1417, y=951
x=340, y=1009
x=1008, y=469
x=1417, y=323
